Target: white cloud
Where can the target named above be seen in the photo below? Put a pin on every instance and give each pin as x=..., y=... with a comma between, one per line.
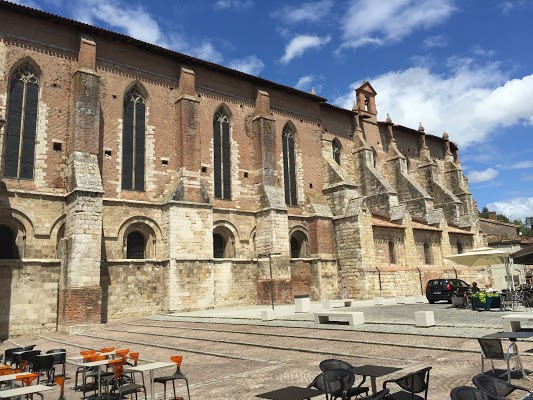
x=434, y=41
x=308, y=83
x=250, y=65
x=482, y=176
x=517, y=208
x=300, y=44
x=304, y=82
x=520, y=165
x=27, y=3
x=206, y=51
x=118, y=15
x=305, y=12
x=134, y=21
x=235, y=4
x=470, y=103
x=391, y=21
x=481, y=52
x=508, y=6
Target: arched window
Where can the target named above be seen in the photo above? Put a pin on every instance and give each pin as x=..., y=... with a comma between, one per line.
x=221, y=162
x=298, y=245
x=219, y=246
x=136, y=245
x=459, y=247
x=289, y=166
x=223, y=243
x=21, y=125
x=392, y=253
x=427, y=253
x=336, y=148
x=133, y=137
x=8, y=247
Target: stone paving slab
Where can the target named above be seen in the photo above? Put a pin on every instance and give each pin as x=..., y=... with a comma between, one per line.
x=233, y=354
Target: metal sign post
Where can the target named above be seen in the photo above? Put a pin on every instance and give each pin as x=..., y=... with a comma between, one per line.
x=269, y=255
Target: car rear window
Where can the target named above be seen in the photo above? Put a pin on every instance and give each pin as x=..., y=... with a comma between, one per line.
x=437, y=282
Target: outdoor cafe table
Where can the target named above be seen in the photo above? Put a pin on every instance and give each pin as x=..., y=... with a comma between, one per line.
x=373, y=371
x=80, y=357
x=291, y=393
x=99, y=365
x=21, y=391
x=151, y=367
x=513, y=336
x=13, y=377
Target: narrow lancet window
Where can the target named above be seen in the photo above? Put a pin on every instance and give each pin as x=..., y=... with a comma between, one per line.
x=133, y=140
x=21, y=125
x=289, y=167
x=221, y=162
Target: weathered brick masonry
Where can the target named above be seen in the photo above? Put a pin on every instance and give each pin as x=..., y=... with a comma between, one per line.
x=374, y=206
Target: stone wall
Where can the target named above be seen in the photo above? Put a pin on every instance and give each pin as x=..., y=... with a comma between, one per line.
x=133, y=288
x=22, y=312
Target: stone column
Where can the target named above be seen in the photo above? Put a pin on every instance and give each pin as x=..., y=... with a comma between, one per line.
x=272, y=235
x=80, y=294
x=189, y=211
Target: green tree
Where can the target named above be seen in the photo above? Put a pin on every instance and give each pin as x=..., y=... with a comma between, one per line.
x=484, y=212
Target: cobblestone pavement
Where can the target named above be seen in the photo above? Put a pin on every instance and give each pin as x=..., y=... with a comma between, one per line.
x=233, y=354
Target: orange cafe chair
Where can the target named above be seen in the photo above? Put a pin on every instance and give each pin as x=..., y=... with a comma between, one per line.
x=177, y=375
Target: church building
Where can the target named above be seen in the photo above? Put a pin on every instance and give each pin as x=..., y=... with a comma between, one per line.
x=135, y=180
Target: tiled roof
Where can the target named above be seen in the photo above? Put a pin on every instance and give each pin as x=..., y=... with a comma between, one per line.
x=424, y=227
x=451, y=229
x=376, y=221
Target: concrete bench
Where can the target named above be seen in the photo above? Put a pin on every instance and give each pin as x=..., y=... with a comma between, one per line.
x=511, y=322
x=424, y=319
x=302, y=304
x=338, y=303
x=353, y=318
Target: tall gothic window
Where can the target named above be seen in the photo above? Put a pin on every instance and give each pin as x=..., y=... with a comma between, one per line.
x=133, y=137
x=21, y=123
x=221, y=144
x=336, y=148
x=289, y=166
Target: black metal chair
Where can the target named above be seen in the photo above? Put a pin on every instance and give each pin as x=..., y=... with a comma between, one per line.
x=469, y=393
x=8, y=354
x=492, y=349
x=176, y=376
x=121, y=384
x=335, y=382
x=412, y=383
x=22, y=359
x=332, y=363
x=60, y=358
x=44, y=365
x=495, y=386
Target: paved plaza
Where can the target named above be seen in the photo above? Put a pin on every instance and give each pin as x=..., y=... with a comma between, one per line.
x=233, y=354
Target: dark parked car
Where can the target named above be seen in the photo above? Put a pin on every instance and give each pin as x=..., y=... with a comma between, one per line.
x=444, y=289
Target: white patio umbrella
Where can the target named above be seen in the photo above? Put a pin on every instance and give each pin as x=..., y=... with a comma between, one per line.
x=480, y=257
x=485, y=256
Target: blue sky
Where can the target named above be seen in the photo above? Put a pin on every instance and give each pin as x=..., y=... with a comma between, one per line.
x=464, y=67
